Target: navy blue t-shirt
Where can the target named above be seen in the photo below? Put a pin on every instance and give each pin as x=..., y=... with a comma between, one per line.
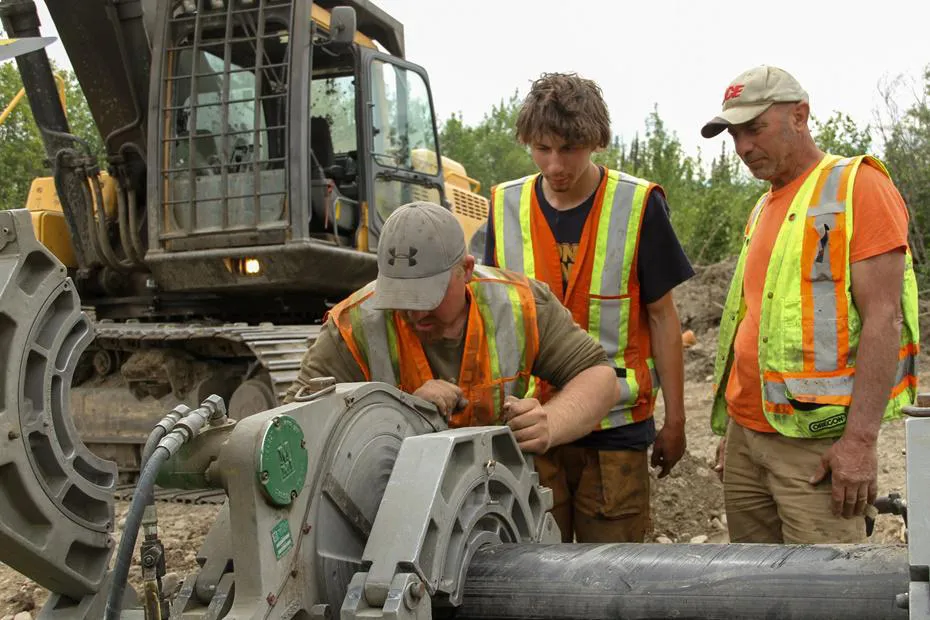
x=661, y=266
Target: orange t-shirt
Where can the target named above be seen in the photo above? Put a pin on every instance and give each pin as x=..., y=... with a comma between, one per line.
x=879, y=225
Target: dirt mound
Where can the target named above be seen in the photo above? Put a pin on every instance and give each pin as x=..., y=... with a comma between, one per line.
x=700, y=300
x=700, y=303
x=699, y=358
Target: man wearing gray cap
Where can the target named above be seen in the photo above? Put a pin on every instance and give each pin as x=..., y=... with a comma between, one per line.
x=819, y=333
x=467, y=339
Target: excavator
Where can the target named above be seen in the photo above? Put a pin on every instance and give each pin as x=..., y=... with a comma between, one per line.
x=253, y=149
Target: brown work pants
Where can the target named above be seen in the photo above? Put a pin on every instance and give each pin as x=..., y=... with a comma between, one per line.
x=767, y=494
x=599, y=495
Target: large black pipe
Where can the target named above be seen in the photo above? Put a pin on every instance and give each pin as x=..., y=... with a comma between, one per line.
x=651, y=582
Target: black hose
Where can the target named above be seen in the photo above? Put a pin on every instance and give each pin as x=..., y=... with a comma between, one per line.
x=141, y=498
x=158, y=433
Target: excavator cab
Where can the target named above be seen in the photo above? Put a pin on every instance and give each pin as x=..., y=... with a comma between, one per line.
x=254, y=149
x=277, y=145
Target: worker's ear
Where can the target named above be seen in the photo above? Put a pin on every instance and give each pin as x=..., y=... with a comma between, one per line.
x=469, y=265
x=800, y=114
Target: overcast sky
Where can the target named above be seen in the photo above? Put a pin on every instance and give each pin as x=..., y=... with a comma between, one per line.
x=679, y=54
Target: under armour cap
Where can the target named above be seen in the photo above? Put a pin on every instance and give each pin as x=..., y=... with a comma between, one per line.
x=420, y=245
x=752, y=93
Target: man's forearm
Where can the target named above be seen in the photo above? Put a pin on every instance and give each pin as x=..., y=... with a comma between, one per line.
x=876, y=367
x=665, y=332
x=578, y=407
x=665, y=335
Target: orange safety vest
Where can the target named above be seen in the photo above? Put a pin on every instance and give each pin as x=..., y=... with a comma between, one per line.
x=501, y=344
x=603, y=290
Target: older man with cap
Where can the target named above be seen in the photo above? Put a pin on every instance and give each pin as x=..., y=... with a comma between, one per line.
x=467, y=339
x=819, y=332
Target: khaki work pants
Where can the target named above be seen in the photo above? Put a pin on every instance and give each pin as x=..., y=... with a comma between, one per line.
x=599, y=495
x=767, y=494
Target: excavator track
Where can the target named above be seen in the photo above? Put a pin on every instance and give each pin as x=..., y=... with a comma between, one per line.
x=140, y=371
x=174, y=496
x=278, y=348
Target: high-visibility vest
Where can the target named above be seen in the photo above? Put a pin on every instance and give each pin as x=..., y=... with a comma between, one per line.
x=501, y=344
x=603, y=290
x=809, y=325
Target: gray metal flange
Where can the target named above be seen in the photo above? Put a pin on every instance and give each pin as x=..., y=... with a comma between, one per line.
x=56, y=497
x=298, y=557
x=449, y=495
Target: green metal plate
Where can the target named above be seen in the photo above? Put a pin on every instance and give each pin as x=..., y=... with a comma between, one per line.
x=282, y=460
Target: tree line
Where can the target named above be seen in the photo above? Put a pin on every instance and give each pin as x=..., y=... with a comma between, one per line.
x=711, y=199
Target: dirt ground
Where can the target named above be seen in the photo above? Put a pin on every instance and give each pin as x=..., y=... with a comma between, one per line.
x=687, y=506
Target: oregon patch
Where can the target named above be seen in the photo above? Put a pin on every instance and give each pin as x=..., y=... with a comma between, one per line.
x=828, y=423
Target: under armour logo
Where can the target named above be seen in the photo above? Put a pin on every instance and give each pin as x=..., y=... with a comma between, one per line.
x=409, y=257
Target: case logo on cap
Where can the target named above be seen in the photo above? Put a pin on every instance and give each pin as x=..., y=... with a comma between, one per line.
x=733, y=92
x=409, y=256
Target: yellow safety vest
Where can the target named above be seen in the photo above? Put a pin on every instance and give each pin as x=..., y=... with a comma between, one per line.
x=603, y=291
x=809, y=325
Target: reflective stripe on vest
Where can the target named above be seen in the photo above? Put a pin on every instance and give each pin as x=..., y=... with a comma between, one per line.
x=809, y=326
x=375, y=339
x=504, y=322
x=829, y=390
x=503, y=304
x=617, y=235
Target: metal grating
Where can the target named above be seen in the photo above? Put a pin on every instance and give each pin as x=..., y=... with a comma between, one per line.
x=224, y=132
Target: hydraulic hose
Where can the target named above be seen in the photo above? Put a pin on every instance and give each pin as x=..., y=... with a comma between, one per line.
x=182, y=432
x=141, y=498
x=165, y=426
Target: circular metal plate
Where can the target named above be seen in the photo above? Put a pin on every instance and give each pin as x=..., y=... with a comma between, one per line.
x=282, y=460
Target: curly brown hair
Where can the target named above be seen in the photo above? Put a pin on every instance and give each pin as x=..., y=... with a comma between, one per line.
x=567, y=106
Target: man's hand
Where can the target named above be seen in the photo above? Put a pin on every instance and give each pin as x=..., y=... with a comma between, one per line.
x=669, y=447
x=721, y=457
x=855, y=475
x=444, y=395
x=530, y=424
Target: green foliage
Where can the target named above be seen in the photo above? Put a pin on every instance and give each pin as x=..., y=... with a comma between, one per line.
x=906, y=135
x=21, y=152
x=840, y=135
x=489, y=151
x=709, y=205
x=22, y=155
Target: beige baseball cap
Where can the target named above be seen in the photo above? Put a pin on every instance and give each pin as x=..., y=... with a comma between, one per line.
x=752, y=93
x=420, y=245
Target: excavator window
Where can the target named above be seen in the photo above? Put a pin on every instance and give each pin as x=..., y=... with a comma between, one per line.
x=404, y=135
x=226, y=120
x=334, y=99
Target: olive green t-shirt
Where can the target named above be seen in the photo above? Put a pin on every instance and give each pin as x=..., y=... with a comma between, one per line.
x=565, y=350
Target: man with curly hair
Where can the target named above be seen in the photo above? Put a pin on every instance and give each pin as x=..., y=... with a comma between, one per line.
x=603, y=242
